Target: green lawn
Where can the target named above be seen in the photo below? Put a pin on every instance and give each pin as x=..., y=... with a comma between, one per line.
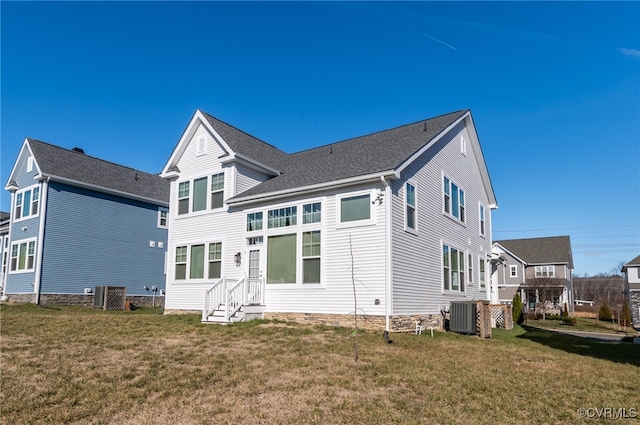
x=584, y=324
x=68, y=365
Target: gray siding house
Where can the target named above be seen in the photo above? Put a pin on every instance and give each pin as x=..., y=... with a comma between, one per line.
x=540, y=269
x=404, y=215
x=78, y=222
x=631, y=272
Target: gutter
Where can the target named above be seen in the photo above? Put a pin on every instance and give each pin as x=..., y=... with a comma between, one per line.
x=39, y=254
x=103, y=189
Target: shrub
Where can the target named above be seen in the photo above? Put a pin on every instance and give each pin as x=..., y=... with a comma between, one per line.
x=565, y=311
x=604, y=313
x=569, y=321
x=533, y=316
x=518, y=317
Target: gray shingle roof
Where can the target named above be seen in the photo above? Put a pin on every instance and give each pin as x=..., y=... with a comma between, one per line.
x=633, y=263
x=247, y=145
x=370, y=154
x=55, y=161
x=548, y=250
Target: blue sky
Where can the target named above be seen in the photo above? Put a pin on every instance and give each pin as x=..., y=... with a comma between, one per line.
x=554, y=88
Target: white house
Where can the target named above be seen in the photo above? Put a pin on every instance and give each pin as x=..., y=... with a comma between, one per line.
x=401, y=218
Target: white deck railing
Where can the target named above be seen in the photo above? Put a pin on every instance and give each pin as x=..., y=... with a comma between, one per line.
x=232, y=294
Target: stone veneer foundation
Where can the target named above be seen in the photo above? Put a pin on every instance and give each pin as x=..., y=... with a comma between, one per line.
x=82, y=300
x=375, y=323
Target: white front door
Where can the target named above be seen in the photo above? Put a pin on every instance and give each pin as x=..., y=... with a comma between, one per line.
x=255, y=263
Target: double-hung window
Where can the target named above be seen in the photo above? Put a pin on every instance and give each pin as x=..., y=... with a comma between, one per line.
x=482, y=221
x=470, y=265
x=453, y=199
x=162, y=218
x=23, y=255
x=453, y=273
x=410, y=207
x=217, y=190
x=513, y=271
x=183, y=198
x=311, y=257
x=215, y=260
x=181, y=262
x=27, y=203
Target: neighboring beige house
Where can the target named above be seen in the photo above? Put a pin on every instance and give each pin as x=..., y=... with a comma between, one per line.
x=631, y=272
x=540, y=269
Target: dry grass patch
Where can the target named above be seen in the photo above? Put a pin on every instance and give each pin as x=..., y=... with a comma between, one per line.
x=81, y=366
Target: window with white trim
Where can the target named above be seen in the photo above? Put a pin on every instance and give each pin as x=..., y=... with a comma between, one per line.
x=183, y=198
x=23, y=256
x=282, y=217
x=201, y=194
x=217, y=190
x=453, y=273
x=215, y=260
x=254, y=221
x=482, y=221
x=410, y=207
x=162, y=218
x=470, y=264
x=545, y=271
x=355, y=208
x=311, y=213
x=483, y=276
x=199, y=202
x=281, y=258
x=181, y=263
x=311, y=257
x=453, y=199
x=27, y=203
x=513, y=271
x=191, y=259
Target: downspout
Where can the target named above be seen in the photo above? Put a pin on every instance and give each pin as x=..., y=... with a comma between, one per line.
x=387, y=237
x=43, y=210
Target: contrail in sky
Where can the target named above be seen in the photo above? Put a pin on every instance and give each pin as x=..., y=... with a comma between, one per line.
x=432, y=38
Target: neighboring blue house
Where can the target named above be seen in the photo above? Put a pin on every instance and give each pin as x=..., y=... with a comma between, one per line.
x=4, y=246
x=78, y=222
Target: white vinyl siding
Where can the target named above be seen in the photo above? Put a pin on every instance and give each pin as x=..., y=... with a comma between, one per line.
x=417, y=259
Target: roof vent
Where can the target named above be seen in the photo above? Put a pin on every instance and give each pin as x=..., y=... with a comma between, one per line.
x=79, y=150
